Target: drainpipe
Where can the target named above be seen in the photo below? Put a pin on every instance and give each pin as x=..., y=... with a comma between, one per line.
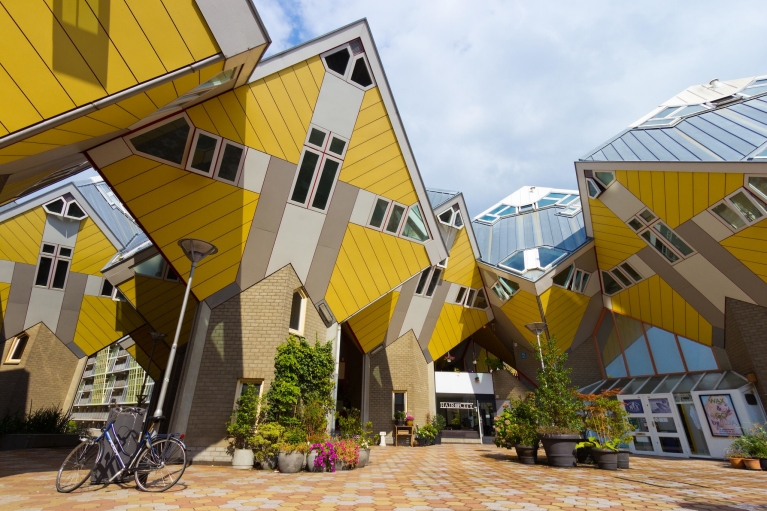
x=336, y=357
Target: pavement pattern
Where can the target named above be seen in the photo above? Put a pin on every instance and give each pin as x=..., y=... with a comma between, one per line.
x=443, y=477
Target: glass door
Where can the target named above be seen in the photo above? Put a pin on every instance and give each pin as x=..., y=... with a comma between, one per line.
x=657, y=425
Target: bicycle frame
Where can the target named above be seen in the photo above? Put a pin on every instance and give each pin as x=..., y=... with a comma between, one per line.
x=112, y=439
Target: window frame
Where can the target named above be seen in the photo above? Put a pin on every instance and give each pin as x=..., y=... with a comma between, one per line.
x=651, y=227
x=393, y=401
x=415, y=205
x=216, y=151
x=55, y=257
x=221, y=149
x=477, y=292
x=437, y=273
x=155, y=125
x=596, y=187
x=163, y=272
x=306, y=150
x=459, y=296
x=241, y=382
x=333, y=51
x=111, y=293
x=449, y=223
x=605, y=185
x=65, y=208
x=727, y=201
x=424, y=276
x=360, y=56
x=301, y=313
x=406, y=210
x=318, y=176
x=14, y=345
x=373, y=209
x=755, y=191
x=602, y=282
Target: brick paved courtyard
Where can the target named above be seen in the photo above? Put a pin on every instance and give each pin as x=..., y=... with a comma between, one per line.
x=438, y=477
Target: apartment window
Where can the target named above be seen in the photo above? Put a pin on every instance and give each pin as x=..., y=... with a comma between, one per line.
x=660, y=236
x=166, y=143
x=338, y=61
x=361, y=74
x=379, y=213
x=572, y=278
x=460, y=295
x=349, y=62
x=605, y=177
x=740, y=208
x=415, y=227
x=611, y=286
x=621, y=277
x=427, y=282
x=17, y=349
x=758, y=185
x=156, y=268
x=205, y=148
x=297, y=312
x=107, y=289
x=631, y=272
x=480, y=301
x=53, y=266
x=593, y=189
x=394, y=219
x=435, y=276
x=230, y=162
x=65, y=206
x=399, y=402
x=505, y=288
x=243, y=385
x=451, y=217
x=318, y=169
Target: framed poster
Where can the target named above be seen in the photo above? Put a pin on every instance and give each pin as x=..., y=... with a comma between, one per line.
x=721, y=415
x=634, y=406
x=660, y=405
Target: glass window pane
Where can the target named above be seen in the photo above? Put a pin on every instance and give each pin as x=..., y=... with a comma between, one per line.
x=690, y=110
x=562, y=277
x=497, y=209
x=643, y=443
x=458, y=221
x=480, y=302
x=605, y=177
x=56, y=206
x=509, y=210
x=43, y=271
x=65, y=252
x=759, y=185
x=665, y=352
x=470, y=296
x=624, y=280
x=729, y=215
x=698, y=356
x=671, y=236
x=636, y=224
x=593, y=189
x=446, y=216
x=461, y=293
x=305, y=177
x=634, y=346
x=60, y=275
x=295, y=311
x=611, y=285
x=500, y=292
x=338, y=61
x=378, y=213
x=666, y=425
x=204, y=150
x=548, y=256
x=747, y=208
x=434, y=281
x=360, y=74
x=687, y=383
x=317, y=137
x=709, y=381
x=166, y=142
x=658, y=245
x=647, y=216
x=511, y=286
x=665, y=112
x=631, y=272
x=325, y=184
x=634, y=385
x=337, y=146
x=515, y=262
x=230, y=162
x=392, y=225
x=488, y=218
x=526, y=208
x=423, y=279
x=18, y=348
x=547, y=202
x=648, y=387
x=399, y=401
x=415, y=228
x=577, y=280
x=152, y=267
x=610, y=349
x=556, y=195
x=731, y=381
x=49, y=249
x=671, y=444
x=106, y=288
x=668, y=384
x=75, y=211
x=584, y=282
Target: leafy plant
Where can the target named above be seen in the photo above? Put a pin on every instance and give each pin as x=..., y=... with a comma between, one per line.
x=495, y=364
x=348, y=452
x=752, y=444
x=399, y=416
x=326, y=456
x=244, y=418
x=607, y=418
x=612, y=445
x=349, y=422
x=365, y=439
x=265, y=441
x=517, y=424
x=426, y=434
x=50, y=420
x=438, y=421
x=314, y=416
x=555, y=397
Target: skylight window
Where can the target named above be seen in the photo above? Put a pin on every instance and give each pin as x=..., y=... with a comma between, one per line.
x=540, y=258
x=669, y=115
x=756, y=87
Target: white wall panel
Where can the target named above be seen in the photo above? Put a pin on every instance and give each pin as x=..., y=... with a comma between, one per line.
x=94, y=285
x=296, y=240
x=416, y=315
x=621, y=201
x=448, y=382
x=61, y=231
x=254, y=170
x=6, y=271
x=363, y=207
x=715, y=228
x=337, y=106
x=45, y=306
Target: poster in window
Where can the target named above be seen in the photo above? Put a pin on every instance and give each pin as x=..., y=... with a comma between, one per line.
x=634, y=406
x=660, y=405
x=721, y=415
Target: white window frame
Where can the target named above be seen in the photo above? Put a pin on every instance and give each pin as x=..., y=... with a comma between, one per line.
x=650, y=226
x=605, y=185
x=55, y=257
x=225, y=142
x=756, y=193
x=425, y=274
x=746, y=191
x=354, y=59
x=393, y=392
x=581, y=289
x=449, y=222
x=332, y=51
x=372, y=210
x=241, y=382
x=601, y=281
x=404, y=222
x=65, y=208
x=504, y=288
x=167, y=270
x=333, y=154
x=443, y=263
x=626, y=263
x=193, y=145
x=324, y=155
x=617, y=273
x=316, y=182
x=458, y=299
x=401, y=220
x=111, y=292
x=475, y=295
x=324, y=142
x=596, y=187
x=306, y=150
x=533, y=262
x=302, y=313
x=155, y=125
x=163, y=271
x=14, y=345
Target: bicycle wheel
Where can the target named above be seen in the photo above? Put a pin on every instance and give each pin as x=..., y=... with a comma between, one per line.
x=161, y=465
x=77, y=466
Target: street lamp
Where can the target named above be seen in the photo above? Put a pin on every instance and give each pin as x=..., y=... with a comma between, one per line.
x=538, y=329
x=195, y=251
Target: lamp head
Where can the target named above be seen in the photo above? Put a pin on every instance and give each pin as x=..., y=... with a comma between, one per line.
x=536, y=328
x=157, y=336
x=196, y=250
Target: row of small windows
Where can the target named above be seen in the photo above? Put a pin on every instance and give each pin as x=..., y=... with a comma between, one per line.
x=399, y=220
x=660, y=236
x=572, y=278
x=318, y=169
x=745, y=206
x=571, y=203
x=471, y=298
x=429, y=279
x=157, y=268
x=540, y=258
x=504, y=288
x=65, y=206
x=619, y=278
x=451, y=217
x=53, y=266
x=350, y=63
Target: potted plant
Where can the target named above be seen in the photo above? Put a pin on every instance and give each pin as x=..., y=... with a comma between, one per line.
x=425, y=434
x=364, y=440
x=322, y=457
x=241, y=427
x=752, y=445
x=439, y=423
x=558, y=409
x=399, y=417
x=347, y=454
x=607, y=419
x=293, y=451
x=409, y=419
x=735, y=455
x=265, y=444
x=517, y=426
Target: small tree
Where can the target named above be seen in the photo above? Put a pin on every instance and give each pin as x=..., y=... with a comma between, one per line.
x=607, y=418
x=517, y=424
x=245, y=418
x=555, y=398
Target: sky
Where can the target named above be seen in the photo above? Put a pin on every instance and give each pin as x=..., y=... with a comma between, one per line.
x=498, y=95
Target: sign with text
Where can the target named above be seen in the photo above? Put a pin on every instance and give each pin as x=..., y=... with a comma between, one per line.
x=460, y=406
x=721, y=415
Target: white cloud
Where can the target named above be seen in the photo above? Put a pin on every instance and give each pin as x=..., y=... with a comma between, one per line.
x=496, y=95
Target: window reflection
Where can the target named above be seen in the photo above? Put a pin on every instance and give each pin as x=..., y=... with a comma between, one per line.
x=665, y=351
x=610, y=348
x=634, y=346
x=697, y=356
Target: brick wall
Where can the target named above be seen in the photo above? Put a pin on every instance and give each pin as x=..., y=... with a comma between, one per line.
x=241, y=342
x=526, y=361
x=585, y=364
x=745, y=341
x=400, y=366
x=43, y=376
x=508, y=387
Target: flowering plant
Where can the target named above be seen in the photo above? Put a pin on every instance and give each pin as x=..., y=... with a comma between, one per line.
x=326, y=456
x=348, y=452
x=409, y=417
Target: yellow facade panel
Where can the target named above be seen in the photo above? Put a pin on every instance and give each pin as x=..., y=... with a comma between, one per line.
x=370, y=325
x=162, y=94
x=201, y=119
x=371, y=170
x=455, y=323
x=750, y=247
x=5, y=289
x=284, y=103
x=55, y=137
x=114, y=116
x=221, y=120
x=614, y=239
x=92, y=249
x=563, y=311
x=367, y=252
x=17, y=112
x=462, y=265
x=305, y=79
x=192, y=26
x=22, y=235
x=138, y=106
x=26, y=149
x=521, y=310
x=275, y=121
x=317, y=69
x=258, y=121
x=239, y=120
x=161, y=32
x=103, y=321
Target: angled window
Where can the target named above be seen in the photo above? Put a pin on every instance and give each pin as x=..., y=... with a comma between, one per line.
x=510, y=286
x=551, y=199
x=631, y=272
x=379, y=213
x=655, y=242
x=317, y=138
x=325, y=183
x=670, y=236
x=422, y=281
x=605, y=177
x=728, y=216
x=470, y=297
x=668, y=116
x=297, y=312
x=758, y=185
x=107, y=289
x=170, y=275
x=53, y=266
x=56, y=206
x=393, y=222
x=515, y=262
x=153, y=267
x=500, y=292
x=573, y=279
x=443, y=263
x=361, y=74
x=458, y=220
x=459, y=296
x=74, y=211
x=593, y=189
x=17, y=349
x=647, y=216
x=307, y=168
x=435, y=277
x=166, y=142
x=200, y=90
x=65, y=206
x=488, y=218
x=230, y=161
x=415, y=227
x=562, y=279
x=570, y=211
x=740, y=208
x=636, y=224
x=204, y=152
x=446, y=217
x=610, y=284
x=480, y=302
x=338, y=60
x=620, y=276
x=318, y=169
x=580, y=281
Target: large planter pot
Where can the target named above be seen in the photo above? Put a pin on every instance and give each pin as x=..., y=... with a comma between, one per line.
x=290, y=462
x=242, y=459
x=364, y=458
x=268, y=463
x=752, y=464
x=763, y=463
x=310, y=462
x=736, y=462
x=606, y=459
x=624, y=457
x=583, y=454
x=527, y=455
x=560, y=449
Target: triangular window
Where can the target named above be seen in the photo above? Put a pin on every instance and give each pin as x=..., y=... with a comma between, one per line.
x=166, y=143
x=360, y=73
x=338, y=61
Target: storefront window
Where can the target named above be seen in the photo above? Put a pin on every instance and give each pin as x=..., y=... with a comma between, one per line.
x=697, y=356
x=610, y=348
x=634, y=346
x=664, y=349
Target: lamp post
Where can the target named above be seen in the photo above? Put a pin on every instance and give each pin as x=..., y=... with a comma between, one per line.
x=195, y=251
x=538, y=329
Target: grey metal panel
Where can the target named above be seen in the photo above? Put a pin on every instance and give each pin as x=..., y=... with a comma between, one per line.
x=611, y=153
x=725, y=137
x=717, y=337
x=45, y=306
x=330, y=240
x=599, y=156
x=750, y=136
x=724, y=261
x=255, y=257
x=21, y=284
x=65, y=330
x=748, y=110
x=694, y=148
x=686, y=290
x=722, y=150
x=482, y=233
x=546, y=229
x=73, y=295
x=438, y=300
x=679, y=151
x=274, y=195
x=71, y=346
x=439, y=197
x=234, y=24
x=60, y=231
x=70, y=311
x=652, y=145
x=124, y=228
x=624, y=150
x=637, y=147
x=587, y=261
x=400, y=311
x=223, y=295
x=588, y=321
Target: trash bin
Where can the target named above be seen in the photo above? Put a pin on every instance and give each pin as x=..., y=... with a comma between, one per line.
x=128, y=426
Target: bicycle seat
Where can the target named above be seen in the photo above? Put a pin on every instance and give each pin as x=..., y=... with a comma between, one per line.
x=157, y=419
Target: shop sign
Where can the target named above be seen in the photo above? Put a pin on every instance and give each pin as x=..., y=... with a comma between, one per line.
x=721, y=415
x=460, y=406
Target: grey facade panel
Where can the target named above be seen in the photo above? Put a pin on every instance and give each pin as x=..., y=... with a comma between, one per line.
x=652, y=145
x=274, y=194
x=321, y=270
x=223, y=295
x=123, y=228
x=65, y=330
x=21, y=284
x=638, y=148
x=255, y=257
x=430, y=323
x=339, y=213
x=400, y=312
x=70, y=307
x=439, y=197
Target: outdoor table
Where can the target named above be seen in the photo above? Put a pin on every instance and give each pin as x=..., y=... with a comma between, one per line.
x=404, y=431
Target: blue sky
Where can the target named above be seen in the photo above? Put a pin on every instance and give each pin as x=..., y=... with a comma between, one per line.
x=497, y=95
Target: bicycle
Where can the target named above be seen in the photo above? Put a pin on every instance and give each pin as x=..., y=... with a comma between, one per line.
x=157, y=465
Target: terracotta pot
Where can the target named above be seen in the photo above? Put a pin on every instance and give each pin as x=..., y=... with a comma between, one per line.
x=560, y=449
x=606, y=459
x=752, y=464
x=736, y=462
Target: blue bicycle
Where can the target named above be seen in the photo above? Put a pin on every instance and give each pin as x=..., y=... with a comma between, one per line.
x=158, y=463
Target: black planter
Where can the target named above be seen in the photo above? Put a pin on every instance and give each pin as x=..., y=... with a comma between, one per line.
x=583, y=454
x=624, y=456
x=527, y=455
x=606, y=459
x=560, y=449
x=400, y=422
x=763, y=463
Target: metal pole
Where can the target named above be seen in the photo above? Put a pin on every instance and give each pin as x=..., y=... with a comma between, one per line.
x=169, y=367
x=336, y=355
x=480, y=422
x=540, y=351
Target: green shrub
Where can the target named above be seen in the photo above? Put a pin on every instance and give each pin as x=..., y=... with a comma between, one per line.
x=752, y=444
x=246, y=416
x=555, y=397
x=426, y=434
x=265, y=441
x=349, y=423
x=48, y=420
x=439, y=422
x=517, y=424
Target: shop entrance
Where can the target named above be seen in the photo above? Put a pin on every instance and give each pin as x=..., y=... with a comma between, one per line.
x=657, y=425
